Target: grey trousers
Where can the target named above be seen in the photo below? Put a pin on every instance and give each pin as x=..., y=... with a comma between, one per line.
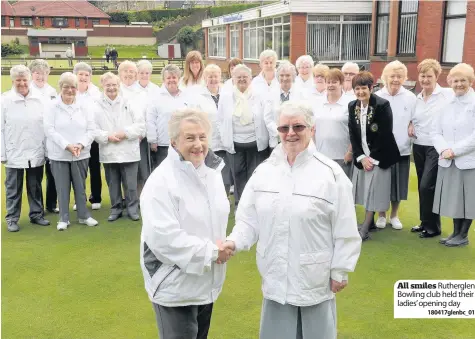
x=291, y=322
x=14, y=192
x=66, y=173
x=144, y=164
x=158, y=156
x=185, y=322
x=124, y=174
x=347, y=168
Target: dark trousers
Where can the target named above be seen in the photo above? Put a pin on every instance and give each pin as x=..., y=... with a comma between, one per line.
x=122, y=174
x=243, y=163
x=95, y=173
x=107, y=58
x=426, y=161
x=185, y=322
x=14, y=192
x=51, y=195
x=158, y=156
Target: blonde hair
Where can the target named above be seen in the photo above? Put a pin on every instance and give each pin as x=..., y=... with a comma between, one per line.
x=144, y=64
x=268, y=54
x=193, y=56
x=464, y=70
x=393, y=66
x=39, y=65
x=125, y=64
x=429, y=64
x=210, y=69
x=304, y=59
x=320, y=69
x=189, y=114
x=109, y=75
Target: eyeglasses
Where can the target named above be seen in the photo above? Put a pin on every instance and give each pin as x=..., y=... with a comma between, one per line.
x=349, y=74
x=296, y=128
x=67, y=88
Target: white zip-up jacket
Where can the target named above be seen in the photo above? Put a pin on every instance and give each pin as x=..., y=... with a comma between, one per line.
x=114, y=116
x=225, y=121
x=68, y=124
x=304, y=222
x=455, y=129
x=205, y=102
x=23, y=137
x=184, y=213
x=158, y=113
x=261, y=87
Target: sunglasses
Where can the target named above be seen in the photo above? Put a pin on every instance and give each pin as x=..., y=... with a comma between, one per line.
x=296, y=128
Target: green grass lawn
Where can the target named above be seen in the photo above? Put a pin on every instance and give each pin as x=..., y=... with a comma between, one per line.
x=150, y=51
x=86, y=282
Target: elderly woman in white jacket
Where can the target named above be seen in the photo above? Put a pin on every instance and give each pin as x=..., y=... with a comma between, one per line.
x=69, y=128
x=183, y=229
x=119, y=128
x=305, y=228
x=454, y=140
x=242, y=128
x=304, y=81
x=23, y=148
x=207, y=99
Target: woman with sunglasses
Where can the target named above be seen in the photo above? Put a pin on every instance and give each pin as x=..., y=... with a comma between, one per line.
x=244, y=134
x=305, y=228
x=374, y=149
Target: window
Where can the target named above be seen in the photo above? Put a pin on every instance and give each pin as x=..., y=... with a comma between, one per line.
x=407, y=27
x=338, y=38
x=60, y=22
x=454, y=31
x=80, y=43
x=95, y=22
x=234, y=35
x=217, y=42
x=34, y=41
x=76, y=22
x=26, y=21
x=270, y=33
x=382, y=27
x=4, y=23
x=42, y=21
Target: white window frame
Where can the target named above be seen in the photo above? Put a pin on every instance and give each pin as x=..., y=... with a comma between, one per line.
x=234, y=38
x=279, y=21
x=341, y=22
x=381, y=14
x=26, y=21
x=462, y=17
x=407, y=31
x=218, y=34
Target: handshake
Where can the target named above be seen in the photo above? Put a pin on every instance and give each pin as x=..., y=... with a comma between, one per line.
x=225, y=251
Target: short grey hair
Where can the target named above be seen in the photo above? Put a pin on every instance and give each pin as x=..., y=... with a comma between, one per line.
x=39, y=65
x=286, y=66
x=241, y=67
x=82, y=66
x=268, y=53
x=350, y=65
x=68, y=78
x=145, y=64
x=189, y=114
x=171, y=68
x=304, y=59
x=18, y=71
x=109, y=75
x=210, y=68
x=294, y=108
x=125, y=64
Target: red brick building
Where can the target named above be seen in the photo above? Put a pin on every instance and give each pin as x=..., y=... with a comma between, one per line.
x=52, y=14
x=411, y=31
x=333, y=32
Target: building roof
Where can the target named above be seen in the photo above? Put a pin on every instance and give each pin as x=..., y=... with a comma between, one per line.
x=57, y=32
x=59, y=8
x=7, y=9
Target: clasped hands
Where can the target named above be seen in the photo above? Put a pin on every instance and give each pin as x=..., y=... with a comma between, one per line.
x=367, y=163
x=75, y=149
x=225, y=251
x=117, y=136
x=447, y=154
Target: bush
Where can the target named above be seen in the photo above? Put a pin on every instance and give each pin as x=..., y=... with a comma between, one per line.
x=153, y=15
x=12, y=48
x=223, y=10
x=186, y=36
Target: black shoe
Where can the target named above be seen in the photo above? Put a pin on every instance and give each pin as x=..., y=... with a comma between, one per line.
x=12, y=226
x=40, y=221
x=460, y=239
x=425, y=234
x=417, y=228
x=364, y=236
x=53, y=210
x=114, y=217
x=373, y=228
x=134, y=217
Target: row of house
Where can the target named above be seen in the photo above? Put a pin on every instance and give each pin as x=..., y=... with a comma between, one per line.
x=371, y=33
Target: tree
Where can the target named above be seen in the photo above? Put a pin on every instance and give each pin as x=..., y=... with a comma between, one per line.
x=185, y=36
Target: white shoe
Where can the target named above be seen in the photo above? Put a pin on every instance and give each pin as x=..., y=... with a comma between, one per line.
x=231, y=190
x=89, y=221
x=62, y=225
x=396, y=223
x=381, y=223
x=96, y=206
x=75, y=207
x=56, y=210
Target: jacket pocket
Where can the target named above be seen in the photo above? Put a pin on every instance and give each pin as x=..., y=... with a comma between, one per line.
x=261, y=261
x=315, y=269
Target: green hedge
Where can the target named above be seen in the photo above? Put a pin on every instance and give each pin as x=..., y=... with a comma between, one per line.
x=223, y=10
x=148, y=15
